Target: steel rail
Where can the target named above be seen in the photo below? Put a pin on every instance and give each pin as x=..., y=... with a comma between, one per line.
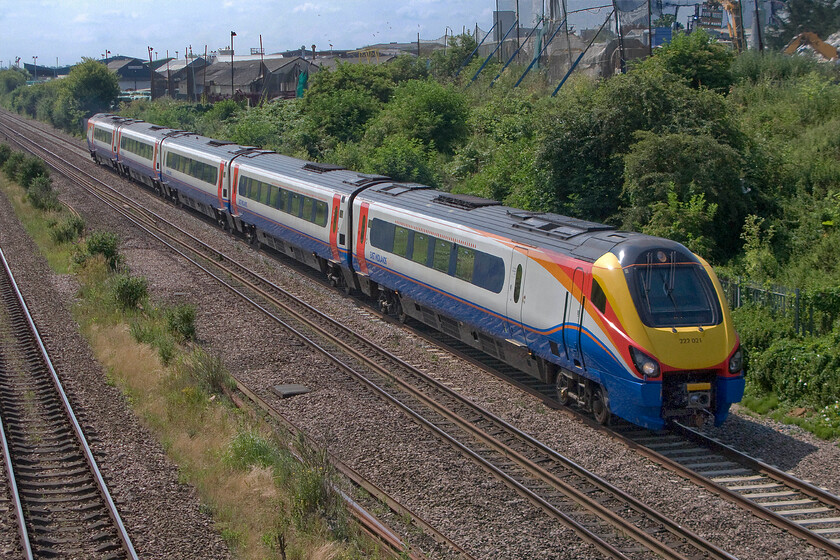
x=578, y=528
x=77, y=429
x=640, y=536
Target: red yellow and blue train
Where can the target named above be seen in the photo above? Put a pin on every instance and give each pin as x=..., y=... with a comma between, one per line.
x=621, y=323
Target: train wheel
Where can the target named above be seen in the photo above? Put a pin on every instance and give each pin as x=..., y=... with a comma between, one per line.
x=600, y=407
x=563, y=385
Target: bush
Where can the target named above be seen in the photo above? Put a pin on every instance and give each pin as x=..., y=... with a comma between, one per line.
x=11, y=165
x=130, y=291
x=68, y=230
x=106, y=244
x=250, y=448
x=5, y=152
x=30, y=169
x=180, y=320
x=208, y=372
x=41, y=194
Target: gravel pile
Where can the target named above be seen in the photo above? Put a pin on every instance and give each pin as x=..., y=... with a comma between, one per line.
x=463, y=501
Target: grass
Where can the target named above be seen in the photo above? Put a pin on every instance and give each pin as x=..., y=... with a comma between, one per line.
x=265, y=502
x=38, y=225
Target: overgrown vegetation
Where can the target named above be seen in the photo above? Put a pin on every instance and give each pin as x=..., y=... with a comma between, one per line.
x=272, y=495
x=737, y=157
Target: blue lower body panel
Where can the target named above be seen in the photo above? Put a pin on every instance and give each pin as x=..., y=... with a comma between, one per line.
x=729, y=390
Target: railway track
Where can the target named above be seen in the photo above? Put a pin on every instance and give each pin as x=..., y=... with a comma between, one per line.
x=791, y=504
x=614, y=522
x=61, y=501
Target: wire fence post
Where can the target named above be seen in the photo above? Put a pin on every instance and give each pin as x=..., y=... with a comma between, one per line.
x=796, y=313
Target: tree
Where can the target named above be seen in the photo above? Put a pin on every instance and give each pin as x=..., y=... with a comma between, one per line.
x=12, y=79
x=434, y=114
x=818, y=16
x=445, y=63
x=696, y=57
x=579, y=165
x=94, y=87
x=669, y=178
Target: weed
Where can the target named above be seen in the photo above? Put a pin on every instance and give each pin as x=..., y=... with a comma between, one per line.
x=41, y=195
x=208, y=372
x=250, y=448
x=180, y=320
x=67, y=231
x=130, y=291
x=106, y=244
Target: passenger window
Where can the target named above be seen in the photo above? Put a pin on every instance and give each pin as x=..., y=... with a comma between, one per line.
x=517, y=286
x=321, y=209
x=308, y=209
x=255, y=192
x=243, y=186
x=275, y=192
x=282, y=200
x=464, y=264
x=401, y=241
x=294, y=207
x=443, y=251
x=599, y=297
x=420, y=254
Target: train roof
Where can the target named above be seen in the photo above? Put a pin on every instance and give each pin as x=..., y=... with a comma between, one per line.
x=587, y=241
x=581, y=239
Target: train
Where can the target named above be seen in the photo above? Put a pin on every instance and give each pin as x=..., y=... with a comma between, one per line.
x=619, y=323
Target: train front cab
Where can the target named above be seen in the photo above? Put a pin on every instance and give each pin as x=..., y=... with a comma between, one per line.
x=667, y=317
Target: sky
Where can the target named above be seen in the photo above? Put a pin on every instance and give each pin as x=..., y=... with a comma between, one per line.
x=68, y=30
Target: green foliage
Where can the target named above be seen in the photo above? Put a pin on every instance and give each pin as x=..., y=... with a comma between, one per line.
x=93, y=86
x=800, y=370
x=675, y=174
x=768, y=66
x=698, y=58
x=12, y=164
x=759, y=261
x=68, y=230
x=180, y=320
x=130, y=291
x=12, y=79
x=424, y=110
x=580, y=163
x=29, y=169
x=404, y=159
x=106, y=244
x=249, y=449
x=41, y=194
x=208, y=372
x=5, y=152
x=445, y=64
x=689, y=223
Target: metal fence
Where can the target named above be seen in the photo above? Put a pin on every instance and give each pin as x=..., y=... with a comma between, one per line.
x=811, y=313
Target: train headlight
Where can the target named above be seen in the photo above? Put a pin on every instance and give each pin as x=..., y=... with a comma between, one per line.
x=645, y=365
x=736, y=362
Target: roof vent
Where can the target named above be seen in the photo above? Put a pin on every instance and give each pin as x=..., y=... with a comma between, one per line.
x=218, y=143
x=365, y=180
x=396, y=189
x=555, y=225
x=322, y=167
x=465, y=201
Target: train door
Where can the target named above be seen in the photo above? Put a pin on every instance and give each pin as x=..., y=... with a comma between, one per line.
x=335, y=214
x=573, y=320
x=361, y=238
x=516, y=294
x=115, y=143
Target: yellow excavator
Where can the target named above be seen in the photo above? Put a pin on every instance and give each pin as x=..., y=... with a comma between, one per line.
x=813, y=41
x=735, y=22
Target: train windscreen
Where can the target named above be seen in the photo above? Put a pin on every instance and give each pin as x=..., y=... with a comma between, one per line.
x=668, y=293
